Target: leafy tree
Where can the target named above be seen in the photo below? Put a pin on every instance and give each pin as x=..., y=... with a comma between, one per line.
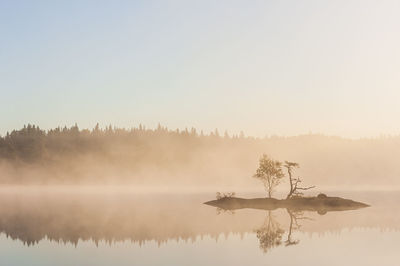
x=270, y=173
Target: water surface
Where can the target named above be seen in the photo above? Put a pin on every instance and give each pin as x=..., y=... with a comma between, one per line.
x=80, y=228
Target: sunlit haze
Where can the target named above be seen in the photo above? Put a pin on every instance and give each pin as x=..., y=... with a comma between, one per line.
x=209, y=132
x=269, y=67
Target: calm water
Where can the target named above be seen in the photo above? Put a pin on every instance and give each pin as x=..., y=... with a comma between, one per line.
x=52, y=228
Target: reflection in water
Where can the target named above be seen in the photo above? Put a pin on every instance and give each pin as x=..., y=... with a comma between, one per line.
x=270, y=233
x=71, y=217
x=77, y=216
x=172, y=229
x=294, y=225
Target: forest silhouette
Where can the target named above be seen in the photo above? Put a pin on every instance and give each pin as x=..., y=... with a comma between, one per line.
x=187, y=157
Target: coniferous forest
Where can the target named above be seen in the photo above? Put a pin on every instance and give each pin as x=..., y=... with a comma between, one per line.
x=181, y=157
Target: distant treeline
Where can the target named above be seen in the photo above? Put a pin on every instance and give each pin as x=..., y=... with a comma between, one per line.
x=187, y=157
x=106, y=154
x=32, y=144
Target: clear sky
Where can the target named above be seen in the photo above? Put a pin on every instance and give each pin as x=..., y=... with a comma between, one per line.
x=264, y=67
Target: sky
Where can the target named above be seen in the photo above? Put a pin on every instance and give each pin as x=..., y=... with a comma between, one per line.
x=264, y=67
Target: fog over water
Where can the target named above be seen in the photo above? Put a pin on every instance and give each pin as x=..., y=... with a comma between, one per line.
x=121, y=221
x=199, y=133
x=137, y=196
x=70, y=216
x=167, y=159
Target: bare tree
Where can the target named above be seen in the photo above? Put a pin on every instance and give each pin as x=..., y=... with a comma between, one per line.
x=295, y=216
x=270, y=173
x=294, y=182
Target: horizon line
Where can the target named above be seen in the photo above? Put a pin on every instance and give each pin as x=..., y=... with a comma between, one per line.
x=221, y=133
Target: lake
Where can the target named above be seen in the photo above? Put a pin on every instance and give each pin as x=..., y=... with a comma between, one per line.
x=45, y=227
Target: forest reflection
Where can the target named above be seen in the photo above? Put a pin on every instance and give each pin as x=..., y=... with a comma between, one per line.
x=74, y=217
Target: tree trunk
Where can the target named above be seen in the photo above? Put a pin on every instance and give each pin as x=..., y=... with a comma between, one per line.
x=291, y=184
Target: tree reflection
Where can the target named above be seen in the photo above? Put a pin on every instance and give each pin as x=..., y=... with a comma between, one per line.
x=270, y=233
x=221, y=210
x=294, y=225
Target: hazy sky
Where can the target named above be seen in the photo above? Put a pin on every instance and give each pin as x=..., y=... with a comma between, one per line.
x=265, y=67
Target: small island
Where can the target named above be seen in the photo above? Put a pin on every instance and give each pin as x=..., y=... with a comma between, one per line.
x=270, y=173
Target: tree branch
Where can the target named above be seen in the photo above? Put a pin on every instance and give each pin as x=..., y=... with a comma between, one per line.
x=305, y=188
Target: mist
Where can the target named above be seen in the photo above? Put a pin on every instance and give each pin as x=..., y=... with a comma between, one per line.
x=188, y=159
